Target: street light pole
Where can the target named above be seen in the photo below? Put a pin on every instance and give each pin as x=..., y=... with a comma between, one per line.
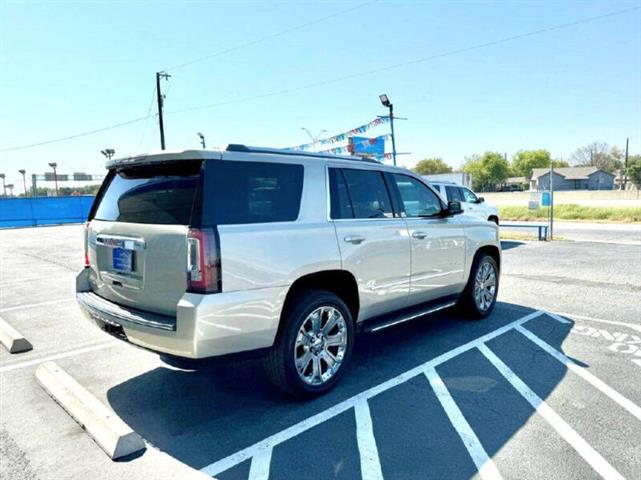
x=24, y=181
x=4, y=186
x=55, y=175
x=108, y=152
x=202, y=140
x=386, y=103
x=314, y=138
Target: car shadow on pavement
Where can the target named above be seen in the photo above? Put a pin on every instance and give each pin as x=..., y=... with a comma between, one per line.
x=510, y=244
x=214, y=408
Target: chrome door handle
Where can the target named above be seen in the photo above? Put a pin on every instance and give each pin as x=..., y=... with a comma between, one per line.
x=419, y=235
x=355, y=239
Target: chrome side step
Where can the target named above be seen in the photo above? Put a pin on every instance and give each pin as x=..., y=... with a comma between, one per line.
x=375, y=326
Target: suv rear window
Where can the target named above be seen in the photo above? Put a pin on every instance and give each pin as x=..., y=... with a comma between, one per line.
x=160, y=194
x=239, y=192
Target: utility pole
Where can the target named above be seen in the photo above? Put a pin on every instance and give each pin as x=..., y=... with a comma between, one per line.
x=22, y=172
x=625, y=169
x=160, y=98
x=202, y=140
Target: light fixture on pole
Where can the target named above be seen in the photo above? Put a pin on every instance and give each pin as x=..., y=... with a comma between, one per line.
x=10, y=187
x=4, y=186
x=202, y=139
x=55, y=175
x=22, y=172
x=108, y=152
x=314, y=138
x=386, y=103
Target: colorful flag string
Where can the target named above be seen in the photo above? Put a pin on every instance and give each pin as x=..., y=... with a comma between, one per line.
x=341, y=137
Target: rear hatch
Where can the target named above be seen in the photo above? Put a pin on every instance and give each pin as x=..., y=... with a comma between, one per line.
x=137, y=235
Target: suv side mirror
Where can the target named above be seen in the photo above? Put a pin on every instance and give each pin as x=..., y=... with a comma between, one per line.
x=453, y=208
x=480, y=200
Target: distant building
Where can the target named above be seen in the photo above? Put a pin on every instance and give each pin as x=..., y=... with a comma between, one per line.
x=572, y=178
x=513, y=184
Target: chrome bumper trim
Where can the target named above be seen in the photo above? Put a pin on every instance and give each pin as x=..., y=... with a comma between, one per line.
x=114, y=314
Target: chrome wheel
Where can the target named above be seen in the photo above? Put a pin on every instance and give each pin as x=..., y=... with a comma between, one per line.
x=320, y=345
x=485, y=286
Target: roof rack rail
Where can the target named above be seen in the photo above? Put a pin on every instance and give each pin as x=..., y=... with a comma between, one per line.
x=235, y=147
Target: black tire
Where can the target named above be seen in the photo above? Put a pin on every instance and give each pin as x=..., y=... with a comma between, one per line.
x=467, y=303
x=280, y=361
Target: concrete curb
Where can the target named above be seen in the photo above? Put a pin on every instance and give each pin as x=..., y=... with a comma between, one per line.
x=108, y=430
x=12, y=339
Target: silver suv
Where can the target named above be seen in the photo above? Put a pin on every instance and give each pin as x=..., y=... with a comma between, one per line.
x=203, y=253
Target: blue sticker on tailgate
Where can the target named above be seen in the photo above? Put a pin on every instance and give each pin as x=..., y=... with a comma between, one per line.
x=123, y=259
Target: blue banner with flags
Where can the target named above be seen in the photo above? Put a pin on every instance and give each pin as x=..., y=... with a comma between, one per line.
x=369, y=146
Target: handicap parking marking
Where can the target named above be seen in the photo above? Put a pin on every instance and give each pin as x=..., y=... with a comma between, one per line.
x=620, y=342
x=485, y=465
x=589, y=454
x=260, y=454
x=277, y=438
x=370, y=463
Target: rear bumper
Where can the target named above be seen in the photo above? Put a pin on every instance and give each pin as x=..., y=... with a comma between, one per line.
x=204, y=325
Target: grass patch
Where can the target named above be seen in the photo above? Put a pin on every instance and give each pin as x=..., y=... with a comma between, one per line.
x=576, y=213
x=510, y=235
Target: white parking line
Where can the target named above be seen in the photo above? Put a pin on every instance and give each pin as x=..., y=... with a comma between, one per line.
x=485, y=466
x=583, y=448
x=583, y=373
x=600, y=320
x=34, y=305
x=70, y=353
x=279, y=437
x=370, y=463
x=259, y=469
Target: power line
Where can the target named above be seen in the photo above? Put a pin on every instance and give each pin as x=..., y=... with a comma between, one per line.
x=272, y=35
x=77, y=135
x=342, y=78
x=448, y=53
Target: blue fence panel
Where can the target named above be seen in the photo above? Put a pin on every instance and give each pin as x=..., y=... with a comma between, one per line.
x=33, y=211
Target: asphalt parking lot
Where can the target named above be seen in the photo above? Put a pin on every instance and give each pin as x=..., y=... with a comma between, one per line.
x=549, y=386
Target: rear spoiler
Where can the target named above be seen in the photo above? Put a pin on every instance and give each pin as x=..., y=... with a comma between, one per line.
x=163, y=156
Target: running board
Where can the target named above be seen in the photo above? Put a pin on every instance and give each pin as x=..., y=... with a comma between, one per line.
x=406, y=315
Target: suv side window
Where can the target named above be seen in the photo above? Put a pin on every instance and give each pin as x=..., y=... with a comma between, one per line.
x=418, y=200
x=341, y=204
x=251, y=192
x=453, y=194
x=468, y=196
x=367, y=194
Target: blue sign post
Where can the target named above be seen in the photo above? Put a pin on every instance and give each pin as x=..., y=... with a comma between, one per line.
x=545, y=199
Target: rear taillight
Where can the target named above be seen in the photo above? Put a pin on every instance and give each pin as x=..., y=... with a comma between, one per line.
x=203, y=261
x=86, y=234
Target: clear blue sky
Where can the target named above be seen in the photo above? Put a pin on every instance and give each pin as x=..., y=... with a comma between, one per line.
x=69, y=67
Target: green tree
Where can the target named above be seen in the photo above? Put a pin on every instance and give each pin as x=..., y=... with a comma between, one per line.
x=525, y=160
x=431, y=166
x=487, y=170
x=600, y=155
x=634, y=170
